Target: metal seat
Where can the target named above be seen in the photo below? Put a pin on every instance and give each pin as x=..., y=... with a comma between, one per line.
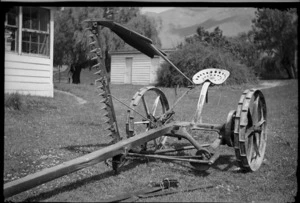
x=215, y=76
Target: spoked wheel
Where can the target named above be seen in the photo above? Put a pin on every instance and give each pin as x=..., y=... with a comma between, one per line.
x=250, y=130
x=149, y=103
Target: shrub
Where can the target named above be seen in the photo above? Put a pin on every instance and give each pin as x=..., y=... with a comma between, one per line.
x=13, y=101
x=195, y=57
x=26, y=103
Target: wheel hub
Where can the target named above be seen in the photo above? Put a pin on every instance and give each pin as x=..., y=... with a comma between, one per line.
x=205, y=155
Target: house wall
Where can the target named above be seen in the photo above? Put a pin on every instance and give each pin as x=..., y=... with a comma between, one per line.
x=29, y=74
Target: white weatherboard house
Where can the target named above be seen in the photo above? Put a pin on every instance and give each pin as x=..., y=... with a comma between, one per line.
x=134, y=67
x=29, y=35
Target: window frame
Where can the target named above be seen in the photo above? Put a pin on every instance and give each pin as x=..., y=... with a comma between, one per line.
x=37, y=31
x=20, y=30
x=10, y=27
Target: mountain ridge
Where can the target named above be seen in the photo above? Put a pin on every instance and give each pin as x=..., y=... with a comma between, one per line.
x=177, y=23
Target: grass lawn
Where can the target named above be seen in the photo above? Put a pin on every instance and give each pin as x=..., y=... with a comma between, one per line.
x=49, y=131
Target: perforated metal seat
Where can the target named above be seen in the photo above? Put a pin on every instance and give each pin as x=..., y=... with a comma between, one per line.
x=215, y=76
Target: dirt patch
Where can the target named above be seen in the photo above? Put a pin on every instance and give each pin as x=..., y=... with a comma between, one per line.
x=271, y=83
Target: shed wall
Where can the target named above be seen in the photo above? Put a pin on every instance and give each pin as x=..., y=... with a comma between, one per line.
x=141, y=69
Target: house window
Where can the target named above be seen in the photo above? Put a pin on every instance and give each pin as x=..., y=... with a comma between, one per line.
x=36, y=31
x=11, y=30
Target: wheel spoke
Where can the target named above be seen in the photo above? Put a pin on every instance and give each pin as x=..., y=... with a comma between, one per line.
x=154, y=107
x=249, y=117
x=261, y=110
x=145, y=106
x=259, y=124
x=255, y=108
x=249, y=132
x=250, y=148
x=256, y=146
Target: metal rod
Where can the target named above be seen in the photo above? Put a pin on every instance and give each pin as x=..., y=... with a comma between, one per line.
x=209, y=126
x=203, y=94
x=141, y=122
x=179, y=149
x=205, y=126
x=213, y=158
x=166, y=158
x=176, y=102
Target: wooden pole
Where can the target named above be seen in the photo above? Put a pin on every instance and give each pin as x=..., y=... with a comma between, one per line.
x=48, y=174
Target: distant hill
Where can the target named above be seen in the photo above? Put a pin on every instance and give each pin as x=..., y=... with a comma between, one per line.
x=175, y=24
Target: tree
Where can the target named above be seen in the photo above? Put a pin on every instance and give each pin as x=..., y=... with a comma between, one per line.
x=212, y=50
x=243, y=48
x=71, y=40
x=214, y=38
x=193, y=57
x=276, y=34
x=69, y=46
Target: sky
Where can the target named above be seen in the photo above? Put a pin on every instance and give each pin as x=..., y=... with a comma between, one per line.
x=155, y=9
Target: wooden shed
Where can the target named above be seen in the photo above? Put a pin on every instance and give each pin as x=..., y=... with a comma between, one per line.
x=29, y=35
x=134, y=67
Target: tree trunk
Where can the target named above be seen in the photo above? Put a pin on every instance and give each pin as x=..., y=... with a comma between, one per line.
x=288, y=71
x=296, y=63
x=288, y=67
x=76, y=75
x=292, y=71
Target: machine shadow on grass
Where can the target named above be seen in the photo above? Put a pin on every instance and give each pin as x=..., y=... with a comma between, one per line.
x=69, y=187
x=80, y=183
x=224, y=159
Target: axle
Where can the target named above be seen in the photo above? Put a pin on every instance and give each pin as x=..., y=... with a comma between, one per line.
x=191, y=159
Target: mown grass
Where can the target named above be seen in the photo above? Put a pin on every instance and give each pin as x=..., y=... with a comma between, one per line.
x=46, y=132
